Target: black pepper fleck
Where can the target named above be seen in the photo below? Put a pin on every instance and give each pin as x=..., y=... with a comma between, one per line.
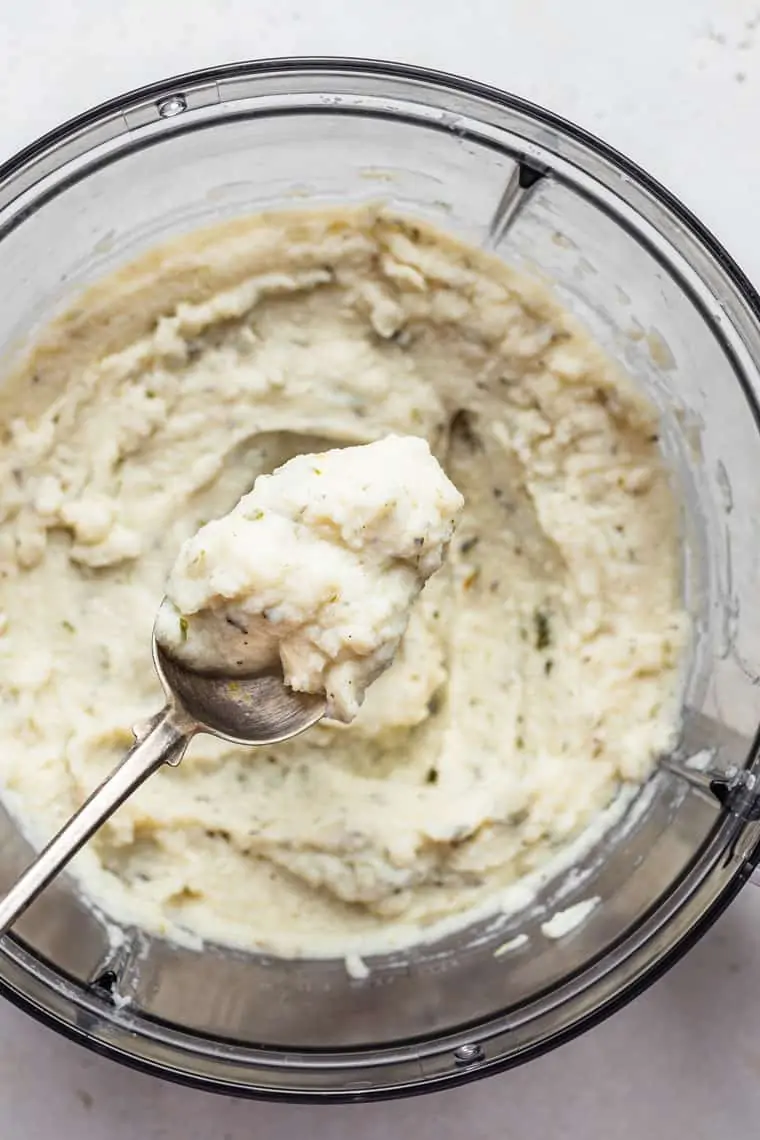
x=461, y=427
x=434, y=704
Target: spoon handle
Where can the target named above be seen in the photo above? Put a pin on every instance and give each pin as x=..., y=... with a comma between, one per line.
x=164, y=743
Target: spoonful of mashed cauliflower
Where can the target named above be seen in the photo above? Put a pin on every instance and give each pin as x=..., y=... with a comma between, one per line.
x=316, y=570
x=280, y=613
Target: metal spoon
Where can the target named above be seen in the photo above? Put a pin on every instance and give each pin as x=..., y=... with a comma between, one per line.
x=258, y=709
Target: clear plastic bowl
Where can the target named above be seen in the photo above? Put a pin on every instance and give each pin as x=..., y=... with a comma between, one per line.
x=660, y=294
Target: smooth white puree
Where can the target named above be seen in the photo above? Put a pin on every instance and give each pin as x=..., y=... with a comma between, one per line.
x=317, y=568
x=539, y=672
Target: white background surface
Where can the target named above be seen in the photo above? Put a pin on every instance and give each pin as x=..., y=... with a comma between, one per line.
x=676, y=85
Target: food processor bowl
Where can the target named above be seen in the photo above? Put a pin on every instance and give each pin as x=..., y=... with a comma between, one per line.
x=660, y=295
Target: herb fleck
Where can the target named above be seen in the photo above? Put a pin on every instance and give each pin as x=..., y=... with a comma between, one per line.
x=68, y=626
x=542, y=628
x=469, y=544
x=519, y=743
x=183, y=627
x=218, y=833
x=548, y=666
x=432, y=776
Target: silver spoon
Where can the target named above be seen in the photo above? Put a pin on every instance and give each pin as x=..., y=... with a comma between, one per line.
x=258, y=709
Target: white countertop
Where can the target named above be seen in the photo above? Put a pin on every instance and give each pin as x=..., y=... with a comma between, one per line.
x=676, y=85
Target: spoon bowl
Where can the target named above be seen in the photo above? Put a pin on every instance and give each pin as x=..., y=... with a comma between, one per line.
x=255, y=709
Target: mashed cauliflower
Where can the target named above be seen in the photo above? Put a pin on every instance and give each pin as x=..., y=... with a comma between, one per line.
x=539, y=672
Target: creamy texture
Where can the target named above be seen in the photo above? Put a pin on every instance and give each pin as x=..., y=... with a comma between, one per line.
x=539, y=672
x=316, y=568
